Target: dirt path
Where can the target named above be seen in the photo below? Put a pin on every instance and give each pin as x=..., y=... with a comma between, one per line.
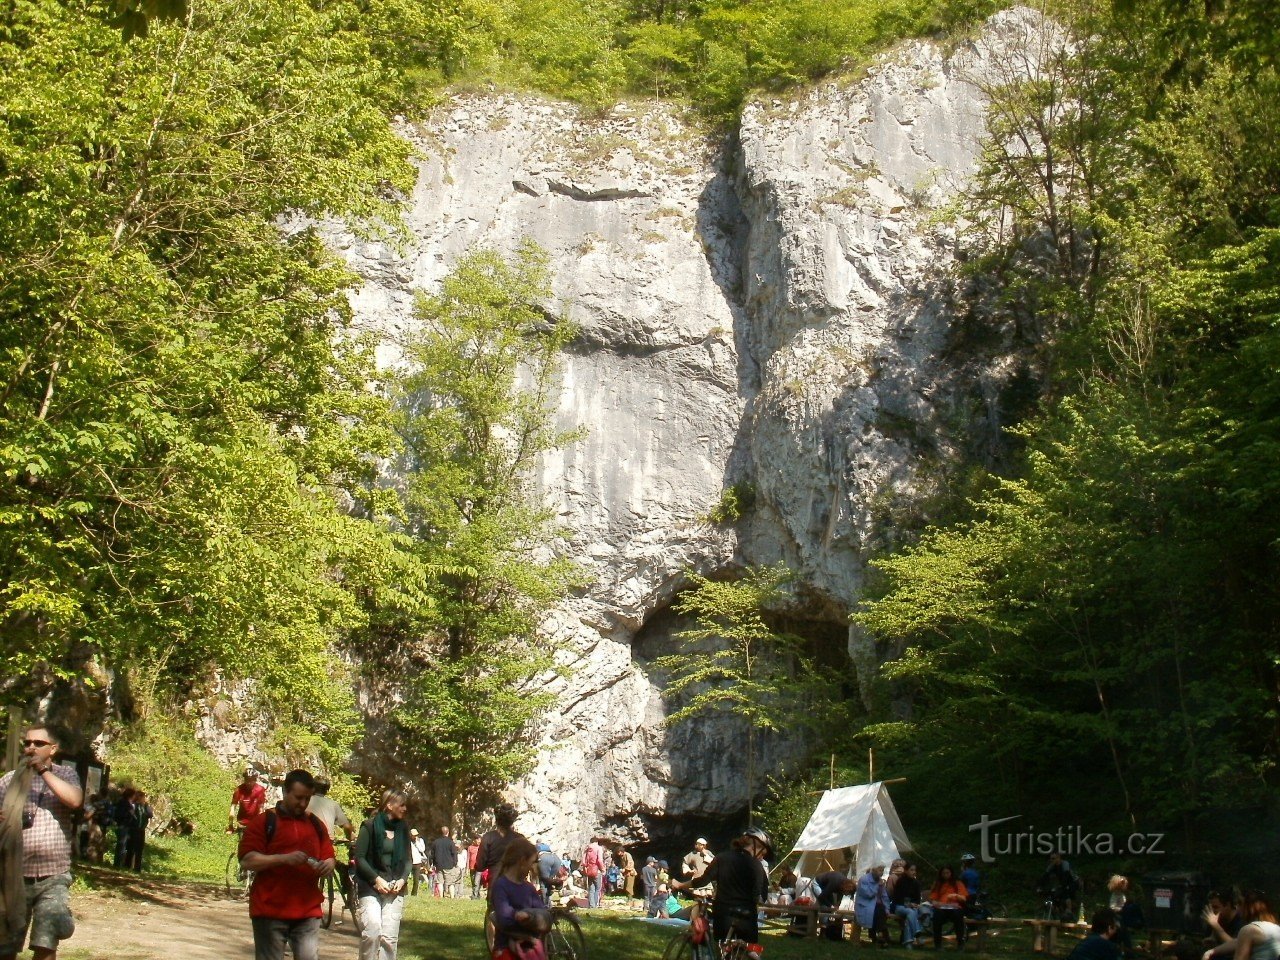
x=148, y=920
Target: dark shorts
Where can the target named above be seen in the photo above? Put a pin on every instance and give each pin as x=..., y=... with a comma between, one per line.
x=48, y=914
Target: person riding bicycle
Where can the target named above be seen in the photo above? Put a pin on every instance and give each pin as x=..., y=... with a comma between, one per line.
x=741, y=884
x=247, y=801
x=1060, y=886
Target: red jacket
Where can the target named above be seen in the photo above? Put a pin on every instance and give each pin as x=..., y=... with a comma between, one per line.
x=287, y=892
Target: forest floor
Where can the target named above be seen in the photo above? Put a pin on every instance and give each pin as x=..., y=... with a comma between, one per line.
x=126, y=917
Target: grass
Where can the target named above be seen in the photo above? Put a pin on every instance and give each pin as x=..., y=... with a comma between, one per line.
x=450, y=930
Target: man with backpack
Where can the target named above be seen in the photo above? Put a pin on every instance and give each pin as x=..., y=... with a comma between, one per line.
x=289, y=852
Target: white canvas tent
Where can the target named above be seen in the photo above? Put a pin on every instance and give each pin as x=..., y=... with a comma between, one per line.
x=853, y=829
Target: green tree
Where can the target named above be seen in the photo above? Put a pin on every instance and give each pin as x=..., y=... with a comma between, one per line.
x=1111, y=602
x=477, y=402
x=182, y=397
x=737, y=664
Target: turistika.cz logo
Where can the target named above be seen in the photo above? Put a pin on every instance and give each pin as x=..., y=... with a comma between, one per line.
x=1070, y=841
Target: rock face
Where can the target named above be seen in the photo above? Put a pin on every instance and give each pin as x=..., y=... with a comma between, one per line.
x=771, y=309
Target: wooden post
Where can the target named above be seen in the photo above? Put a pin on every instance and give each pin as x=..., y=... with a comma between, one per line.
x=871, y=765
x=833, y=772
x=13, y=746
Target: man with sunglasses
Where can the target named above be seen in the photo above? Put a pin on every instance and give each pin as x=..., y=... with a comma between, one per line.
x=52, y=799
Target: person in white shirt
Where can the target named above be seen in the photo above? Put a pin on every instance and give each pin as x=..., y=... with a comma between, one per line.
x=418, y=857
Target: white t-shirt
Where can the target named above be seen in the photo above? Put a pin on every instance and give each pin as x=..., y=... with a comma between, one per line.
x=1268, y=946
x=417, y=850
x=329, y=812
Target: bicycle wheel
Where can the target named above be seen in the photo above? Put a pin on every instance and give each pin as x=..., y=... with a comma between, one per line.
x=326, y=917
x=565, y=940
x=351, y=901
x=238, y=881
x=680, y=947
x=490, y=931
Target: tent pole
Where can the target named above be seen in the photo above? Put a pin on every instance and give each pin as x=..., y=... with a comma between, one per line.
x=871, y=765
x=833, y=772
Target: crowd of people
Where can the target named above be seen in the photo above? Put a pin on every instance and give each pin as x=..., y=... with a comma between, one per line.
x=291, y=847
x=116, y=820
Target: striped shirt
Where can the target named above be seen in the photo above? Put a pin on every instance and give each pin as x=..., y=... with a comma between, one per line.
x=46, y=843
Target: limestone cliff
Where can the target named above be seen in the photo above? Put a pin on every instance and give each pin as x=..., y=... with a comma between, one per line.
x=772, y=308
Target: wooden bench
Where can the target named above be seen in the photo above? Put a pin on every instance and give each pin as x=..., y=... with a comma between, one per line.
x=807, y=915
x=856, y=932
x=976, y=930
x=1046, y=933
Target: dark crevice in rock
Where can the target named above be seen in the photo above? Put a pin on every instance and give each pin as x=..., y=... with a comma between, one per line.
x=575, y=191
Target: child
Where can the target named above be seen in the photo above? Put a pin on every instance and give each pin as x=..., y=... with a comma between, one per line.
x=520, y=919
x=659, y=908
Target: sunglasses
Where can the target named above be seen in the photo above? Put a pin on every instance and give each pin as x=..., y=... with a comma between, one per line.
x=37, y=743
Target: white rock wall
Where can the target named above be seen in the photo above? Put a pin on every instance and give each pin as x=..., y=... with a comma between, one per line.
x=771, y=309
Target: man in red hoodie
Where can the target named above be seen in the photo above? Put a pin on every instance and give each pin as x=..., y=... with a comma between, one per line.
x=290, y=852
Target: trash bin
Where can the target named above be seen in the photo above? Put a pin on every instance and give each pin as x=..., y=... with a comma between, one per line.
x=1175, y=901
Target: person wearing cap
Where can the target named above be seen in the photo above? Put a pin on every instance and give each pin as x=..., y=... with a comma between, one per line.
x=549, y=866
x=417, y=858
x=969, y=875
x=697, y=860
x=247, y=801
x=741, y=885
x=649, y=878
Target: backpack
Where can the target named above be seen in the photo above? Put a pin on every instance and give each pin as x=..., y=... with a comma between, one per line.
x=322, y=832
x=591, y=863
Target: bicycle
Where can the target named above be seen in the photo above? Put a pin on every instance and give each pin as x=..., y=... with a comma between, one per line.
x=238, y=880
x=564, y=941
x=1058, y=905
x=985, y=907
x=340, y=885
x=697, y=942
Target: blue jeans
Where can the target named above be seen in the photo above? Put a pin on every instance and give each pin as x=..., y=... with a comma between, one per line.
x=593, y=890
x=910, y=921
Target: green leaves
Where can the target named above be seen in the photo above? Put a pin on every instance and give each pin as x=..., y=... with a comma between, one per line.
x=1115, y=593
x=476, y=408
x=734, y=662
x=180, y=393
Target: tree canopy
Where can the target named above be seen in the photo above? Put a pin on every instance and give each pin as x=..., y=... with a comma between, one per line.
x=1111, y=602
